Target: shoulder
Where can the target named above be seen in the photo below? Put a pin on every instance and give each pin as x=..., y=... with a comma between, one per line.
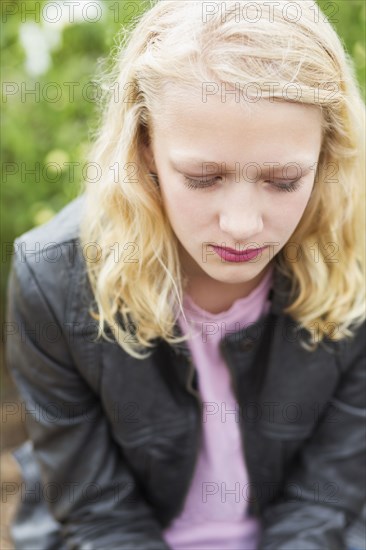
x=62, y=228
x=353, y=349
x=47, y=259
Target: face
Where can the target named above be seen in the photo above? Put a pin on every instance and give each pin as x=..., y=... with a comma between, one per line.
x=223, y=182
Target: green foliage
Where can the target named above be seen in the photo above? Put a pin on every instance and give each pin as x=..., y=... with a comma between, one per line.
x=49, y=130
x=48, y=118
x=348, y=17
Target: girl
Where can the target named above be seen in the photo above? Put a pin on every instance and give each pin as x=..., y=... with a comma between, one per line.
x=206, y=385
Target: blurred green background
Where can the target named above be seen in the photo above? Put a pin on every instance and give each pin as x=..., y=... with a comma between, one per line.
x=48, y=131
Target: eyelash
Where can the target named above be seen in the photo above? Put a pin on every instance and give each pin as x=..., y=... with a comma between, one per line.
x=198, y=184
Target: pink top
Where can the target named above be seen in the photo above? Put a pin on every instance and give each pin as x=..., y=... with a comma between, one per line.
x=214, y=515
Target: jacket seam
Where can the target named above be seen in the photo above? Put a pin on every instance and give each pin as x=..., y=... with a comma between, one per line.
x=35, y=280
x=33, y=276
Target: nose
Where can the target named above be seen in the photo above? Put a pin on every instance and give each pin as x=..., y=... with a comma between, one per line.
x=240, y=214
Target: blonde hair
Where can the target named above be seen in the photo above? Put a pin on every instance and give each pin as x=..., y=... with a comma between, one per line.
x=137, y=275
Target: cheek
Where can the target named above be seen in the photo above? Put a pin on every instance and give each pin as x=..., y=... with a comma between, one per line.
x=301, y=201
x=186, y=210
x=289, y=211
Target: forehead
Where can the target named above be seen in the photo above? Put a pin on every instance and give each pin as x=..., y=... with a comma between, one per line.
x=210, y=101
x=190, y=123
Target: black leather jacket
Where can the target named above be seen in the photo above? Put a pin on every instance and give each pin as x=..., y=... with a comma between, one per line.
x=117, y=438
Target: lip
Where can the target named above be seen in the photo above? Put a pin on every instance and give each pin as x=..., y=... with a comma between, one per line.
x=230, y=255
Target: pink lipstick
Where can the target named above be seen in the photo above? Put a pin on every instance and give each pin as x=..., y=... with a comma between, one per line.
x=231, y=255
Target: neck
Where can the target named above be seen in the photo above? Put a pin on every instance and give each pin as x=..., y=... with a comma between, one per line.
x=215, y=296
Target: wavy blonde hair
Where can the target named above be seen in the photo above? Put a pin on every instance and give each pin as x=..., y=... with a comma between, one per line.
x=137, y=275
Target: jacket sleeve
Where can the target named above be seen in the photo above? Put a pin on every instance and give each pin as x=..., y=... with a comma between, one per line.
x=325, y=487
x=88, y=486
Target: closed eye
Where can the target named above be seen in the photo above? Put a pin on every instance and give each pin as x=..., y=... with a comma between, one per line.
x=202, y=184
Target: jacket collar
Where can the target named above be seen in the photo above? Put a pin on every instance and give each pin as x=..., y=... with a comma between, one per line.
x=281, y=292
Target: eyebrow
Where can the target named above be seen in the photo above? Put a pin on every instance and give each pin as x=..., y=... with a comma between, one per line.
x=195, y=162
